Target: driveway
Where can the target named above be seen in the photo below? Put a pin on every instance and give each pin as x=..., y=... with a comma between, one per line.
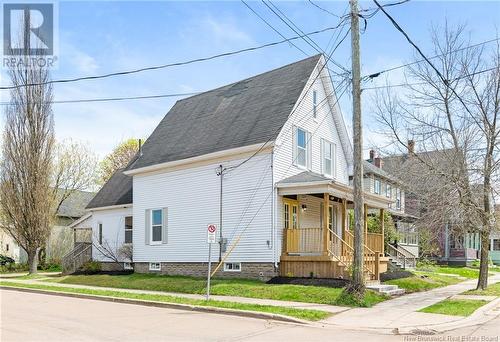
x=40, y=317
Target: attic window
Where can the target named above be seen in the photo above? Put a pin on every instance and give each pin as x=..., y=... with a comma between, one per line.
x=315, y=104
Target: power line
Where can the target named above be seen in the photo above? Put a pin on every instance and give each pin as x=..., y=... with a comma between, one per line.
x=271, y=26
x=376, y=74
x=324, y=9
x=163, y=66
x=423, y=83
x=308, y=40
x=445, y=81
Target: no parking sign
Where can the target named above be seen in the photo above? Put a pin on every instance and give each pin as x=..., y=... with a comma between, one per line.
x=211, y=233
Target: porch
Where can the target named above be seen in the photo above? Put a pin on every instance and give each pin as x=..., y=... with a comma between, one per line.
x=318, y=239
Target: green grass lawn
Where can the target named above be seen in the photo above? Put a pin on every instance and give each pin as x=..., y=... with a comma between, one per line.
x=306, y=314
x=225, y=287
x=455, y=307
x=492, y=290
x=466, y=272
x=423, y=281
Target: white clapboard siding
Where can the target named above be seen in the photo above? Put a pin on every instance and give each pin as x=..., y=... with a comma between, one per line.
x=113, y=229
x=192, y=198
x=325, y=126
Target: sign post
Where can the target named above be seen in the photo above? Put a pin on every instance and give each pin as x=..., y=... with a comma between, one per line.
x=211, y=238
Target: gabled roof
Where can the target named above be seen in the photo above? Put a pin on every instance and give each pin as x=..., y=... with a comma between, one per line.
x=248, y=112
x=116, y=191
x=74, y=205
x=369, y=168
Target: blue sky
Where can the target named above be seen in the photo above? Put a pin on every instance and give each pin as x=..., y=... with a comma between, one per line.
x=101, y=37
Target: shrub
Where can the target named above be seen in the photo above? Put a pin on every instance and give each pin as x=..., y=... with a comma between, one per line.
x=4, y=260
x=91, y=267
x=425, y=264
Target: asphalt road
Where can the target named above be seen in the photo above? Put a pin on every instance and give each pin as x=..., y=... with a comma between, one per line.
x=38, y=317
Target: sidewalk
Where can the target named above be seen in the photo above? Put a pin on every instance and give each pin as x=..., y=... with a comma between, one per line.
x=398, y=315
x=297, y=305
x=401, y=313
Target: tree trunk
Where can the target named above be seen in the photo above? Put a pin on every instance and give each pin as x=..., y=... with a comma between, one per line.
x=482, y=281
x=33, y=260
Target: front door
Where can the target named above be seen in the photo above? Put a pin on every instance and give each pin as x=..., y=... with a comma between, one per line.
x=290, y=223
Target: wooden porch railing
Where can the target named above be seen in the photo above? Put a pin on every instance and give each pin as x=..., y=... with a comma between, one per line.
x=304, y=241
x=310, y=241
x=402, y=256
x=374, y=241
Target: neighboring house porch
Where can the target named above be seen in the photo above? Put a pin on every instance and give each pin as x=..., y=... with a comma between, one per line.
x=317, y=240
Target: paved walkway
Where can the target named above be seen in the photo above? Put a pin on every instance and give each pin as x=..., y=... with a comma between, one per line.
x=401, y=312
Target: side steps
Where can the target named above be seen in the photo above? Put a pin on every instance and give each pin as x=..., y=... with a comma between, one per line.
x=391, y=290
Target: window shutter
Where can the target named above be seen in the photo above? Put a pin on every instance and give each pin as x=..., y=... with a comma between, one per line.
x=309, y=150
x=147, y=226
x=164, y=226
x=294, y=145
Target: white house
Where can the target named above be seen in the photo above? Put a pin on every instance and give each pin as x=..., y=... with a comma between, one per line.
x=283, y=146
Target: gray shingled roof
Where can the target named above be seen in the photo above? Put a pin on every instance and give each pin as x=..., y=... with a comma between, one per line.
x=247, y=112
x=74, y=205
x=304, y=177
x=116, y=191
x=369, y=168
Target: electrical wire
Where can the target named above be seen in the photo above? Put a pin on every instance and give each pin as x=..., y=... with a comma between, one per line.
x=163, y=66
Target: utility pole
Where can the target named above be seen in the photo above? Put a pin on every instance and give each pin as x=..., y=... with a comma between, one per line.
x=220, y=173
x=357, y=271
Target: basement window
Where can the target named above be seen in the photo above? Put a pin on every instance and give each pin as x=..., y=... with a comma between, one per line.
x=232, y=267
x=154, y=266
x=128, y=266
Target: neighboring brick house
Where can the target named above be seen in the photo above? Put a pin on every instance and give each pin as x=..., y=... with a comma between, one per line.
x=454, y=246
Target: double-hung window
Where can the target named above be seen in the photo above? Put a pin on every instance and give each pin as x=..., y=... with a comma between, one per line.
x=315, y=103
x=388, y=191
x=156, y=226
x=377, y=186
x=328, y=156
x=301, y=154
x=398, y=199
x=128, y=229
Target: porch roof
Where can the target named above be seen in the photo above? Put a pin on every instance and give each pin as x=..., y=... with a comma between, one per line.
x=308, y=182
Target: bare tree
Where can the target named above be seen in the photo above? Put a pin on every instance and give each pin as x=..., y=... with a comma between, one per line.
x=75, y=169
x=452, y=118
x=26, y=204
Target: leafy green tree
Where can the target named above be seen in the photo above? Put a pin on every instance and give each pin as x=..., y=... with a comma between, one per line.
x=119, y=158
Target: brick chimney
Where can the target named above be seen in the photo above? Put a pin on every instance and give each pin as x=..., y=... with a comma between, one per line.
x=378, y=162
x=411, y=146
x=372, y=156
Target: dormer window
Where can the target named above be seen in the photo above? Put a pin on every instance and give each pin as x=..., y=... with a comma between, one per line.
x=315, y=103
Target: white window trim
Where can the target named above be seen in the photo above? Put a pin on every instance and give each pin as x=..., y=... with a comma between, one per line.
x=306, y=148
x=398, y=199
x=125, y=230
x=388, y=194
x=152, y=268
x=151, y=227
x=128, y=266
x=232, y=270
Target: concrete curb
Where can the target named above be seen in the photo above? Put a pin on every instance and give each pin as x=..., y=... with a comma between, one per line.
x=188, y=307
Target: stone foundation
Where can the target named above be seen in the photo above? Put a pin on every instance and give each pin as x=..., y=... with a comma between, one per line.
x=249, y=270
x=111, y=266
